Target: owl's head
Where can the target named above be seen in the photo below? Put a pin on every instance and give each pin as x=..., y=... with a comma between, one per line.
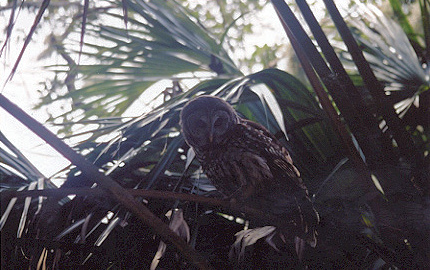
x=205, y=120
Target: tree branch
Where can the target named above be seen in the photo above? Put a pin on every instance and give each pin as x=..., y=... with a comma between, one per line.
x=152, y=194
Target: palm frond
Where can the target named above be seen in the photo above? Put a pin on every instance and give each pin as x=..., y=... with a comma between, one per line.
x=153, y=144
x=18, y=173
x=44, y=5
x=149, y=151
x=346, y=96
x=14, y=163
x=403, y=70
x=161, y=42
x=393, y=59
x=91, y=171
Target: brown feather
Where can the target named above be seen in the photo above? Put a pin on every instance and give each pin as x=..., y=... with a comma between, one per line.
x=248, y=163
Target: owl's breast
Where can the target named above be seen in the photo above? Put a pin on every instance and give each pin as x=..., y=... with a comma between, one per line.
x=234, y=170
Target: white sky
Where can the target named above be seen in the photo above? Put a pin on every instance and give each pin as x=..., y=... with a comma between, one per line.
x=22, y=91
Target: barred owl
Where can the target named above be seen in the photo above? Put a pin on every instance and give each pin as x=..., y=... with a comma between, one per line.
x=246, y=162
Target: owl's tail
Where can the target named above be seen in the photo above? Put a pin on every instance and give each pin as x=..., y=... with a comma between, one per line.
x=309, y=220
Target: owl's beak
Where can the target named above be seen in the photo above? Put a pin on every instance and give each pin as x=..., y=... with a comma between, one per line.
x=211, y=134
x=211, y=137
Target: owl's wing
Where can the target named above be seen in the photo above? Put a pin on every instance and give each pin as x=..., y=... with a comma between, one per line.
x=294, y=200
x=271, y=148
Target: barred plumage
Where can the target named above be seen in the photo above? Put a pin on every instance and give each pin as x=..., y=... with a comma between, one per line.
x=246, y=162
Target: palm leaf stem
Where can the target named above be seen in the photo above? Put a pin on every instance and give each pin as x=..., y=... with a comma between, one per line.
x=83, y=26
x=368, y=120
x=39, y=15
x=350, y=149
x=425, y=18
x=234, y=206
x=125, y=13
x=336, y=87
x=403, y=139
x=98, y=192
x=10, y=26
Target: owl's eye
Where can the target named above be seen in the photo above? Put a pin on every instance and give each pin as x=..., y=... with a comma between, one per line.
x=219, y=122
x=201, y=124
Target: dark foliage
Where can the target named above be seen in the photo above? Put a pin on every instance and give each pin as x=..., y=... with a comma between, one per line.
x=371, y=187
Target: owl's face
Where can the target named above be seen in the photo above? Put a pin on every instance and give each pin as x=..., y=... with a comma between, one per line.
x=205, y=121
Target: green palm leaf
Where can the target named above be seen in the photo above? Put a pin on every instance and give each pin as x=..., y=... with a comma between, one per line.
x=18, y=173
x=392, y=57
x=161, y=42
x=271, y=97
